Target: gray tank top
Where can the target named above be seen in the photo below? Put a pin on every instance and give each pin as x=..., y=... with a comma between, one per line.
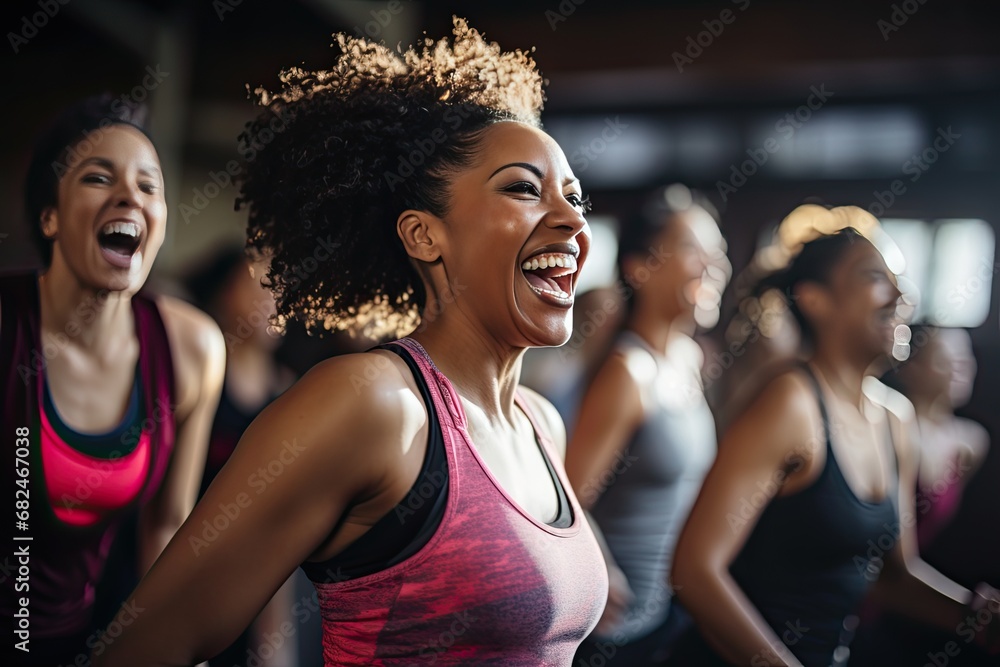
x=653, y=483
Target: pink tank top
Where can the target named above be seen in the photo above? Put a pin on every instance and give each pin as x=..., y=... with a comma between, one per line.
x=85, y=489
x=493, y=586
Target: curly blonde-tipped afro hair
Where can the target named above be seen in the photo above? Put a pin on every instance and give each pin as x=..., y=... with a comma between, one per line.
x=338, y=154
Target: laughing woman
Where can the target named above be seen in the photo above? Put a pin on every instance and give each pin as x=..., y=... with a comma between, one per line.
x=810, y=499
x=113, y=391
x=417, y=485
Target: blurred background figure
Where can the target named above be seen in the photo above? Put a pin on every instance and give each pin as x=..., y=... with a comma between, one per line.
x=937, y=377
x=227, y=286
x=644, y=437
x=806, y=505
x=111, y=388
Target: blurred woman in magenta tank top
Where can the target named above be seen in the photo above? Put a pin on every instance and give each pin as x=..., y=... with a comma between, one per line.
x=417, y=484
x=110, y=391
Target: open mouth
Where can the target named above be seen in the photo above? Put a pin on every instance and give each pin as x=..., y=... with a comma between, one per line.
x=119, y=241
x=550, y=276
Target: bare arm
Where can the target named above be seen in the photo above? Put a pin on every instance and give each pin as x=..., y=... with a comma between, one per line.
x=282, y=492
x=908, y=584
x=610, y=412
x=200, y=363
x=758, y=448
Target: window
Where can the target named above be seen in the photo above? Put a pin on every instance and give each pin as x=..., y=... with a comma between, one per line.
x=949, y=267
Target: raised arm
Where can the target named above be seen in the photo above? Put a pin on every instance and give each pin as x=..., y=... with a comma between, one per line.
x=306, y=458
x=763, y=445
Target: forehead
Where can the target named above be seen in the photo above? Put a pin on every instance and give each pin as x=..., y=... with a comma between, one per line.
x=511, y=141
x=861, y=256
x=118, y=142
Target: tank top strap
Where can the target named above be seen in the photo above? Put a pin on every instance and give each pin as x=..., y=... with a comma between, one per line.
x=446, y=399
x=156, y=369
x=814, y=381
x=541, y=434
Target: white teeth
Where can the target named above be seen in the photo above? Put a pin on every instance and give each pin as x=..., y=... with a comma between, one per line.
x=560, y=294
x=127, y=228
x=550, y=261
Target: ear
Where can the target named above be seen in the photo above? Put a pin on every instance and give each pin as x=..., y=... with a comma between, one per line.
x=813, y=300
x=49, y=221
x=420, y=233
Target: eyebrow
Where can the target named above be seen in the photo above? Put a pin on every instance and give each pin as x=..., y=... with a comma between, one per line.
x=523, y=165
x=147, y=169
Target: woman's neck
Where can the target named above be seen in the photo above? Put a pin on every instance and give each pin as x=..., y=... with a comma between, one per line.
x=482, y=369
x=91, y=318
x=654, y=327
x=843, y=374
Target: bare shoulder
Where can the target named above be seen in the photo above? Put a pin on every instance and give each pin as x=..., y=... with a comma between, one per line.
x=194, y=332
x=198, y=351
x=549, y=417
x=783, y=422
x=974, y=439
x=370, y=397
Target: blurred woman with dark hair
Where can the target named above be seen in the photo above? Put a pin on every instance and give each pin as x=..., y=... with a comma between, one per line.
x=645, y=437
x=810, y=499
x=110, y=391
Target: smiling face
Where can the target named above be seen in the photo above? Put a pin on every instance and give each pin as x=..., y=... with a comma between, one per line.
x=110, y=218
x=668, y=277
x=516, y=237
x=864, y=295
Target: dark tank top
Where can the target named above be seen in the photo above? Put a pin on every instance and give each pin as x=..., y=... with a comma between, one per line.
x=65, y=561
x=809, y=562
